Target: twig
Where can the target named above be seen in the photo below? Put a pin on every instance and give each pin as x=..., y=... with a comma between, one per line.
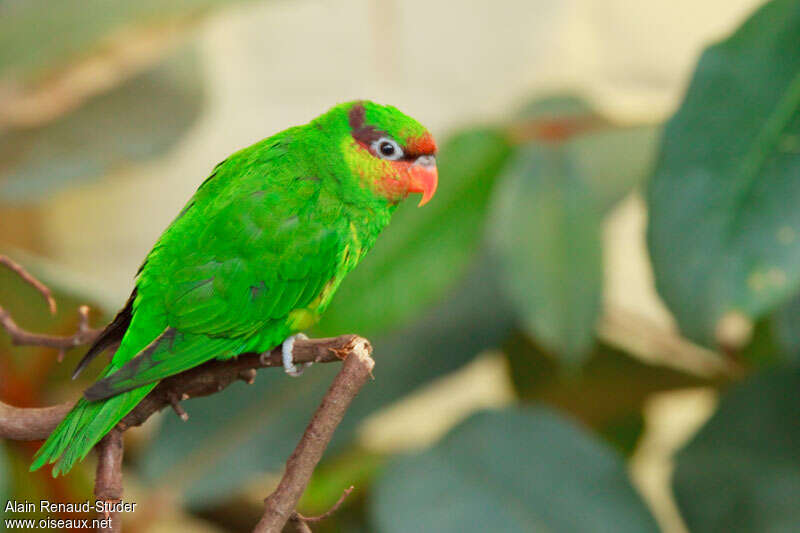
x=22, y=337
x=280, y=505
x=300, y=526
x=108, y=479
x=28, y=278
x=326, y=514
x=176, y=406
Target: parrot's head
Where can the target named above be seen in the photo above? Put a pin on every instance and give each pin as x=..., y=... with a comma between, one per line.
x=390, y=153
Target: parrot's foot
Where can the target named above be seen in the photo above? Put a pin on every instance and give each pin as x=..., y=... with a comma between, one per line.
x=288, y=360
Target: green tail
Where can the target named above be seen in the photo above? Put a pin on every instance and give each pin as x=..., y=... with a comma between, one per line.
x=83, y=427
x=123, y=385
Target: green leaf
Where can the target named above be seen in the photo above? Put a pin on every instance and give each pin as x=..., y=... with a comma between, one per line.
x=724, y=229
x=514, y=470
x=545, y=231
x=741, y=472
x=614, y=160
x=557, y=108
x=233, y=436
x=764, y=348
x=136, y=121
x=353, y=467
x=785, y=330
x=423, y=252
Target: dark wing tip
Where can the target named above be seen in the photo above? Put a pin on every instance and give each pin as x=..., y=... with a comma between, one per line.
x=125, y=378
x=111, y=334
x=91, y=354
x=99, y=391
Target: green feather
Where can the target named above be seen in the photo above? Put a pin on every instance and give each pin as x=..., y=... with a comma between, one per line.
x=255, y=256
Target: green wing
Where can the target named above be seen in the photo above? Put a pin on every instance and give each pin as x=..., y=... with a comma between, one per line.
x=242, y=256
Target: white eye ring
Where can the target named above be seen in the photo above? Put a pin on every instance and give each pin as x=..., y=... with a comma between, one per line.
x=387, y=148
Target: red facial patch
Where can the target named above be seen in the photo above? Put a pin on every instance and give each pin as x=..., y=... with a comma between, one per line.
x=424, y=145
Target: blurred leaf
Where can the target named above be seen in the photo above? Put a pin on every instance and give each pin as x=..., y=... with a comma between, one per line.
x=764, y=349
x=607, y=393
x=423, y=252
x=545, y=230
x=624, y=432
x=354, y=467
x=741, y=472
x=513, y=470
x=141, y=119
x=724, y=229
x=556, y=107
x=785, y=329
x=246, y=430
x=39, y=35
x=614, y=161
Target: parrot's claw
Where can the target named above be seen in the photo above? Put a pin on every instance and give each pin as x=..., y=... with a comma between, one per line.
x=288, y=360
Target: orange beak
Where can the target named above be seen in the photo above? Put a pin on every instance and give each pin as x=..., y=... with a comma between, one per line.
x=423, y=177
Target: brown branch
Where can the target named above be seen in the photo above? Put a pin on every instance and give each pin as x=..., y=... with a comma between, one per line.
x=108, y=480
x=279, y=506
x=210, y=378
x=28, y=278
x=19, y=423
x=36, y=423
x=300, y=526
x=30, y=423
x=23, y=337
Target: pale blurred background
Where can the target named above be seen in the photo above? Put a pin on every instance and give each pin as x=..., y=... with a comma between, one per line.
x=268, y=65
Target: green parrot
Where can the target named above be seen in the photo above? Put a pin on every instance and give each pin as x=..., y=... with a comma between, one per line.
x=253, y=258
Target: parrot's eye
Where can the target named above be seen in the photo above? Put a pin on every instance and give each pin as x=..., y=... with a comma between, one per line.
x=387, y=148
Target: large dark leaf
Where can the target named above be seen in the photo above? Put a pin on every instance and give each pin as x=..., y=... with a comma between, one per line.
x=246, y=430
x=140, y=119
x=741, y=473
x=515, y=470
x=724, y=229
x=786, y=331
x=423, y=252
x=545, y=230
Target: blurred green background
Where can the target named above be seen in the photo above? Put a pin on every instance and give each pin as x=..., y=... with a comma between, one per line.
x=592, y=327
